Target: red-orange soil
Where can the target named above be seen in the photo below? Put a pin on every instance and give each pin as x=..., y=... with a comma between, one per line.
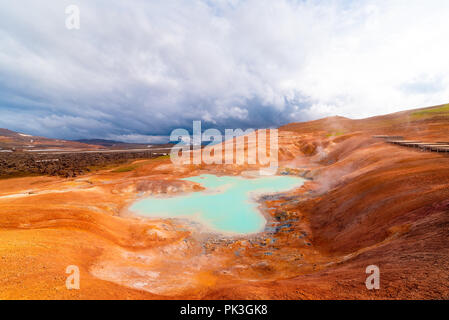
x=366, y=202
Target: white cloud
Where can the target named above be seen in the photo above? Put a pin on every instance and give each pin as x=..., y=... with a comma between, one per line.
x=147, y=67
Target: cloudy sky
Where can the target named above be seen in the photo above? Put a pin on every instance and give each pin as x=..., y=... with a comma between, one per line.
x=137, y=69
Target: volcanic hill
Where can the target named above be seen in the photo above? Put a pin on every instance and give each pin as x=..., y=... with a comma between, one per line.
x=366, y=202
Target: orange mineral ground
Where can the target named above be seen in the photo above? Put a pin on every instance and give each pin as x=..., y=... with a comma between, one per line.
x=366, y=202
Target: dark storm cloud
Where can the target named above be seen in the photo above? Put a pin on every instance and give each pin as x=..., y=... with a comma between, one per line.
x=136, y=70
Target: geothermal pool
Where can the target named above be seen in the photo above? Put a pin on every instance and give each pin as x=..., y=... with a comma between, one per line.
x=228, y=205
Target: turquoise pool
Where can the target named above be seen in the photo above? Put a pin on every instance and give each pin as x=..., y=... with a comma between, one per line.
x=227, y=205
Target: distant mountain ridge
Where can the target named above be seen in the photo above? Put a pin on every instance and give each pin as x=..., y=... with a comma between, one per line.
x=119, y=144
x=16, y=140
x=11, y=140
x=101, y=142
